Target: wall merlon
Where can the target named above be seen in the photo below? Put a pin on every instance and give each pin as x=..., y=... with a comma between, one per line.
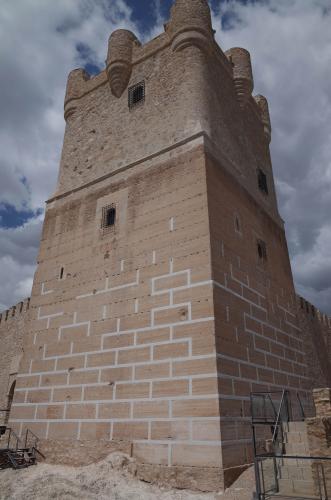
x=15, y=311
x=76, y=87
x=312, y=311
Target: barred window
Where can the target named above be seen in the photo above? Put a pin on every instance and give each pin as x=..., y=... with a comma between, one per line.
x=108, y=217
x=136, y=94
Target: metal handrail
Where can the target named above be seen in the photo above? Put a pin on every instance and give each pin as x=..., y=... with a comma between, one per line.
x=264, y=395
x=318, y=461
x=36, y=438
x=18, y=439
x=277, y=423
x=301, y=406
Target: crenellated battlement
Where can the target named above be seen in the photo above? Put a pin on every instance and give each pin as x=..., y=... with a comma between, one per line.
x=313, y=312
x=190, y=25
x=15, y=311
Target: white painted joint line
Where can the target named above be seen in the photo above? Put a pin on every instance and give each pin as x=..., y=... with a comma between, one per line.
x=136, y=306
x=49, y=316
x=122, y=265
x=171, y=224
x=171, y=265
x=118, y=325
x=227, y=309
x=190, y=347
x=190, y=311
x=45, y=292
x=154, y=257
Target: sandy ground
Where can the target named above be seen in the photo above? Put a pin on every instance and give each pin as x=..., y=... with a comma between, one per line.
x=110, y=479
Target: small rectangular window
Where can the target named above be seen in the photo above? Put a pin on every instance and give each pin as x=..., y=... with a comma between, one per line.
x=262, y=250
x=136, y=94
x=108, y=217
x=262, y=181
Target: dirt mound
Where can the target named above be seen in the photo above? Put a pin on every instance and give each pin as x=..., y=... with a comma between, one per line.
x=110, y=479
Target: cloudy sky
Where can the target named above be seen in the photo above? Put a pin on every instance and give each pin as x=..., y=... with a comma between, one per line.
x=42, y=40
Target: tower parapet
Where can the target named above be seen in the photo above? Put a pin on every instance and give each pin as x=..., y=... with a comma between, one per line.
x=262, y=103
x=242, y=73
x=119, y=60
x=190, y=24
x=75, y=88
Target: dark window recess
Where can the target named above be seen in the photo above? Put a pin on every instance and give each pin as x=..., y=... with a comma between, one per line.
x=61, y=273
x=313, y=311
x=136, y=94
x=108, y=217
x=237, y=224
x=262, y=181
x=301, y=303
x=307, y=307
x=262, y=250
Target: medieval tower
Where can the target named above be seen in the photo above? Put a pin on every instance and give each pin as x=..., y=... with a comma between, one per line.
x=163, y=294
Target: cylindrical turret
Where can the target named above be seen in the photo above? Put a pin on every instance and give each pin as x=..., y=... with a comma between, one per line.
x=262, y=103
x=75, y=88
x=242, y=73
x=190, y=24
x=119, y=60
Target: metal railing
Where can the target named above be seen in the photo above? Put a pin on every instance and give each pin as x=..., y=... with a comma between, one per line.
x=31, y=440
x=11, y=440
x=297, y=477
x=270, y=412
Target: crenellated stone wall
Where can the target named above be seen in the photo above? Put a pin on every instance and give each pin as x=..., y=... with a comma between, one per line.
x=316, y=333
x=13, y=326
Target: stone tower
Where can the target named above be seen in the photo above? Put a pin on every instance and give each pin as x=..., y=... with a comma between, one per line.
x=163, y=293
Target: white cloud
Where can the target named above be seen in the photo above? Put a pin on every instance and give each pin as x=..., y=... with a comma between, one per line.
x=38, y=48
x=18, y=251
x=290, y=46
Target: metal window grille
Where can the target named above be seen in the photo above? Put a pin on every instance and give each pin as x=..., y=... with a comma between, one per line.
x=108, y=217
x=136, y=94
x=262, y=250
x=262, y=181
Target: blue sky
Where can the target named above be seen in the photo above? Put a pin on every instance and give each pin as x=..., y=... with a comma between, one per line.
x=290, y=45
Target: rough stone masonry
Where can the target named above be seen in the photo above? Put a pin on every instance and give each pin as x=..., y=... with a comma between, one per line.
x=163, y=294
